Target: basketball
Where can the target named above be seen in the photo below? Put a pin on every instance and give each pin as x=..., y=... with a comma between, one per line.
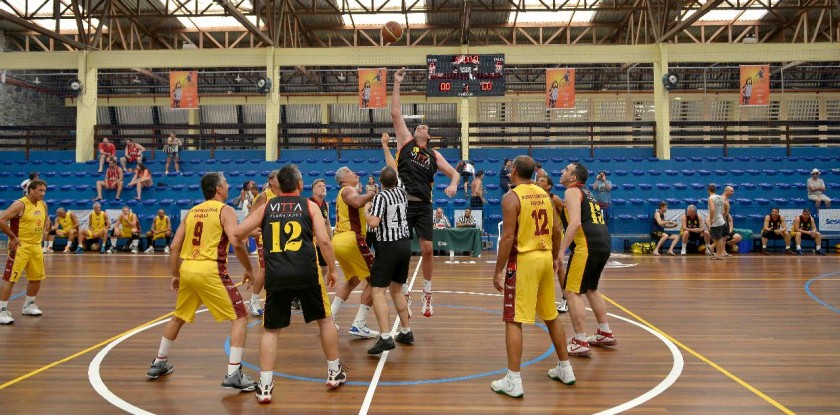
x=94, y=247
x=701, y=248
x=392, y=32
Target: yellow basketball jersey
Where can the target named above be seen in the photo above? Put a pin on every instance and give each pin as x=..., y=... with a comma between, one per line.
x=160, y=223
x=126, y=223
x=536, y=218
x=269, y=194
x=65, y=223
x=205, y=238
x=348, y=219
x=97, y=222
x=29, y=227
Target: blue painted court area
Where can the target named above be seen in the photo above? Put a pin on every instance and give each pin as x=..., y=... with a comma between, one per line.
x=537, y=359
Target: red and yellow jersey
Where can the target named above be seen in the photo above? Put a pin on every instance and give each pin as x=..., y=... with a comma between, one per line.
x=129, y=222
x=348, y=218
x=65, y=223
x=161, y=223
x=205, y=239
x=29, y=226
x=96, y=222
x=536, y=218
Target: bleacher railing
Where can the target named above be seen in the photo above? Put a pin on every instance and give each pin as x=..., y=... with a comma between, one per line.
x=754, y=133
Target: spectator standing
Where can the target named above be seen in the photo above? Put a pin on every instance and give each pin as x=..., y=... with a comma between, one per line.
x=601, y=190
x=133, y=153
x=718, y=231
x=113, y=180
x=173, y=152
x=142, y=179
x=477, y=200
x=816, y=190
x=504, y=177
x=371, y=186
x=467, y=173
x=106, y=150
x=24, y=185
x=440, y=220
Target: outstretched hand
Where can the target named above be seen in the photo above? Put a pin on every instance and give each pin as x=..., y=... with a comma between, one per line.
x=399, y=75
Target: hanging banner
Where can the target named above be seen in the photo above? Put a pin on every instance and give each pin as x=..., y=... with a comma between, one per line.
x=373, y=91
x=560, y=88
x=755, y=85
x=183, y=89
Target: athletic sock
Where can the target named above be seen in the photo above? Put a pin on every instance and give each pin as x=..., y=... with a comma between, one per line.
x=3, y=305
x=427, y=286
x=581, y=336
x=361, y=316
x=163, y=351
x=235, y=360
x=332, y=364
x=563, y=363
x=49, y=244
x=514, y=375
x=405, y=289
x=336, y=304
x=605, y=327
x=113, y=243
x=255, y=299
x=799, y=247
x=266, y=377
x=405, y=330
x=29, y=300
x=385, y=336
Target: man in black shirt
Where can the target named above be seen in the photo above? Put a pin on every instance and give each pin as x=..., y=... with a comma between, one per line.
x=290, y=226
x=416, y=166
x=387, y=215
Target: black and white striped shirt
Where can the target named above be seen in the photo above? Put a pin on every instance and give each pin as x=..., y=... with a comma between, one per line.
x=390, y=206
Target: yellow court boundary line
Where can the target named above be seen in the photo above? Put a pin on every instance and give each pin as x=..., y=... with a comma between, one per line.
x=705, y=359
x=77, y=354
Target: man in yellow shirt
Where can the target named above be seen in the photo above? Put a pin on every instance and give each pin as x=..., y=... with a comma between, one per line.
x=24, y=223
x=98, y=224
x=162, y=228
x=66, y=226
x=199, y=276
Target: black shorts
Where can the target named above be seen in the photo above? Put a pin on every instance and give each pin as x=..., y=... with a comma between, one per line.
x=586, y=273
x=772, y=235
x=278, y=306
x=692, y=237
x=658, y=234
x=807, y=237
x=719, y=232
x=466, y=176
x=476, y=203
x=419, y=216
x=391, y=263
x=321, y=261
x=370, y=239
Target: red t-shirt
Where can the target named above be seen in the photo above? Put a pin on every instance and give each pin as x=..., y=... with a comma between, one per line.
x=108, y=148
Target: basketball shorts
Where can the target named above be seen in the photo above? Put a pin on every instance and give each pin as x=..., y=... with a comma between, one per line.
x=391, y=263
x=123, y=232
x=772, y=235
x=352, y=254
x=805, y=236
x=529, y=288
x=156, y=236
x=314, y=303
x=692, y=236
x=62, y=233
x=260, y=254
x=658, y=234
x=93, y=233
x=202, y=282
x=476, y=203
x=584, y=270
x=419, y=216
x=27, y=258
x=719, y=232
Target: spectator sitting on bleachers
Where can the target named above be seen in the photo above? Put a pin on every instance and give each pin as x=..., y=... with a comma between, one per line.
x=113, y=180
x=804, y=227
x=98, y=224
x=127, y=225
x=733, y=237
x=467, y=220
x=816, y=190
x=24, y=185
x=440, y=220
x=66, y=225
x=173, y=152
x=693, y=229
x=133, y=153
x=106, y=150
x=775, y=228
x=162, y=228
x=658, y=232
x=142, y=179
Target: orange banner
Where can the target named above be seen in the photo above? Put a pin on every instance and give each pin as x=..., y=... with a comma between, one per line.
x=755, y=85
x=559, y=88
x=373, y=91
x=183, y=89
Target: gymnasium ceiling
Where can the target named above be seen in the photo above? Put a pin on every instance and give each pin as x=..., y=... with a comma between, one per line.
x=60, y=25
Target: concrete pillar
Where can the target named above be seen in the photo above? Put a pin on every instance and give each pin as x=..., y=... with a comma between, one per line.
x=662, y=105
x=194, y=118
x=325, y=116
x=464, y=119
x=86, y=110
x=272, y=106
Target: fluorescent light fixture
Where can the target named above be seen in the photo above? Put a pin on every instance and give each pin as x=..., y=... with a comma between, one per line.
x=537, y=13
x=378, y=19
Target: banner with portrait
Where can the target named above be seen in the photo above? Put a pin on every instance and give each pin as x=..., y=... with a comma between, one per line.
x=754, y=89
x=183, y=89
x=373, y=91
x=559, y=88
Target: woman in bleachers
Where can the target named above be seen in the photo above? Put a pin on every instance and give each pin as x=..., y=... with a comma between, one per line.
x=504, y=177
x=371, y=186
x=246, y=195
x=142, y=179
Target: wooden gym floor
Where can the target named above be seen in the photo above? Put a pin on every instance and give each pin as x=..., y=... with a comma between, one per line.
x=749, y=335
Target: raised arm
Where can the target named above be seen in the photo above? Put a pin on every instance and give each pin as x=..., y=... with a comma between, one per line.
x=354, y=199
x=445, y=168
x=389, y=158
x=400, y=129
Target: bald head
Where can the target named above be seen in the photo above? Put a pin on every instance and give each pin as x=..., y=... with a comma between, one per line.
x=524, y=166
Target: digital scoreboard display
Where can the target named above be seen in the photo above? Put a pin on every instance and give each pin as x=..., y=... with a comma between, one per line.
x=465, y=75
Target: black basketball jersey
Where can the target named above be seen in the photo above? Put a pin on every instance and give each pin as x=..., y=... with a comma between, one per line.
x=775, y=224
x=288, y=244
x=592, y=235
x=804, y=224
x=324, y=207
x=416, y=167
x=692, y=223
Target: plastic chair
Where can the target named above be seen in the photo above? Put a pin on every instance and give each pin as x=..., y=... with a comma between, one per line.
x=645, y=186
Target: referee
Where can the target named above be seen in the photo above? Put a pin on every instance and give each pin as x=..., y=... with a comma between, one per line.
x=387, y=215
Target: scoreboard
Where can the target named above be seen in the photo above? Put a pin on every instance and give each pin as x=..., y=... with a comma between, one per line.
x=465, y=75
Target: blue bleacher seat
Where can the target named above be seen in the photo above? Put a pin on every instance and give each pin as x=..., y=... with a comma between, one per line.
x=82, y=202
x=645, y=186
x=234, y=173
x=493, y=201
x=654, y=172
x=478, y=159
x=343, y=160
x=189, y=174
x=721, y=172
x=625, y=217
x=736, y=172
x=711, y=158
x=328, y=160
x=780, y=200
x=440, y=186
x=803, y=172
x=65, y=202
x=766, y=186
x=559, y=187
x=178, y=187
x=297, y=161
x=4, y=203
x=638, y=172
x=672, y=201
x=541, y=159
x=794, y=158
x=150, y=202
x=744, y=201
x=183, y=202
x=329, y=173
x=307, y=187
x=358, y=160
x=228, y=161
x=770, y=172
x=753, y=172
x=210, y=161
x=555, y=173
x=460, y=202
x=81, y=174
x=195, y=161
x=494, y=217
x=166, y=202
x=84, y=187
x=198, y=201
x=619, y=202
x=66, y=187
x=492, y=186
x=728, y=159
x=440, y=174
x=4, y=187
x=643, y=217
x=313, y=160
x=490, y=173
x=557, y=159
x=628, y=186
x=739, y=217
x=783, y=186
x=756, y=216
x=798, y=201
x=314, y=173
x=654, y=201
x=157, y=174
x=761, y=201
x=193, y=187
x=636, y=159
x=375, y=160
x=786, y=172
x=680, y=186
x=697, y=186
x=663, y=186
x=690, y=200
x=131, y=202
x=704, y=172
x=362, y=173
x=637, y=201
x=671, y=172
x=678, y=159
x=331, y=186
x=620, y=172
x=744, y=158
x=748, y=186
x=442, y=201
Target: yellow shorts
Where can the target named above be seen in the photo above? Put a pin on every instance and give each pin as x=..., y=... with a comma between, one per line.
x=62, y=233
x=156, y=236
x=124, y=232
x=26, y=257
x=529, y=288
x=202, y=282
x=93, y=233
x=352, y=255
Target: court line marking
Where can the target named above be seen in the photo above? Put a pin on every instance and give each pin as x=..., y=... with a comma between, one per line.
x=384, y=357
x=706, y=360
x=814, y=296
